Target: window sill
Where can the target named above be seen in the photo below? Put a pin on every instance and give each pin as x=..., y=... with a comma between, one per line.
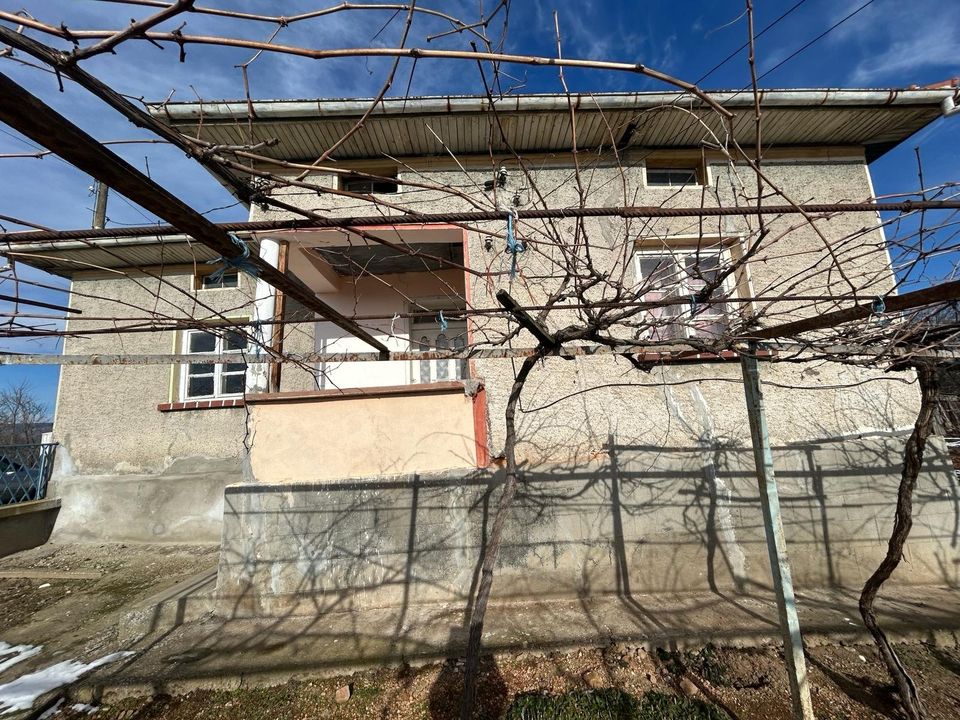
x=215, y=404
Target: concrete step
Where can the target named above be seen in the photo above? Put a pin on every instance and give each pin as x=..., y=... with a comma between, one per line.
x=214, y=652
x=187, y=601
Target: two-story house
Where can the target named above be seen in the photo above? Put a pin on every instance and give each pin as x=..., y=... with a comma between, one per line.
x=325, y=477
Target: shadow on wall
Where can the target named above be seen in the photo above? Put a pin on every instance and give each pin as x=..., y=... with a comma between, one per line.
x=642, y=519
x=365, y=571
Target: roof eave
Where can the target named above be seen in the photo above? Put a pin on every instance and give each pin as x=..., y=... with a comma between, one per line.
x=214, y=111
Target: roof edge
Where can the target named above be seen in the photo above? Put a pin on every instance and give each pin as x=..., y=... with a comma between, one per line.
x=346, y=107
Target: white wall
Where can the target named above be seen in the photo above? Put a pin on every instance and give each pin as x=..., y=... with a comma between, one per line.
x=370, y=296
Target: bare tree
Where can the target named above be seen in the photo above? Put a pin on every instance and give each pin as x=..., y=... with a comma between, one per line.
x=22, y=416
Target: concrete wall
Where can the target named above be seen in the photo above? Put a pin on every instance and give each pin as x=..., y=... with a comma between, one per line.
x=181, y=504
x=639, y=520
x=125, y=470
x=327, y=435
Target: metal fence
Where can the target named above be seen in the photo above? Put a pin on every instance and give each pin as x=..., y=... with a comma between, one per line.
x=25, y=471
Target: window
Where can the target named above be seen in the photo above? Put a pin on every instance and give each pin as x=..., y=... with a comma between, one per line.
x=674, y=172
x=213, y=380
x=369, y=185
x=212, y=281
x=680, y=274
x=671, y=177
x=425, y=335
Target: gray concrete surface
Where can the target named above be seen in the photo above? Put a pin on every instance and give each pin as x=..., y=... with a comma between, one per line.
x=643, y=520
x=155, y=601
x=216, y=653
x=181, y=504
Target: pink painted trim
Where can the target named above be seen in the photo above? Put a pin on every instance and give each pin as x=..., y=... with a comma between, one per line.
x=480, y=439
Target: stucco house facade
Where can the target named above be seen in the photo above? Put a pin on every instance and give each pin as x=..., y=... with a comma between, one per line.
x=377, y=478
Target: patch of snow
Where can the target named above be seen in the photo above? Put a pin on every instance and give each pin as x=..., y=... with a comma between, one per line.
x=52, y=710
x=21, y=693
x=84, y=708
x=45, y=585
x=10, y=655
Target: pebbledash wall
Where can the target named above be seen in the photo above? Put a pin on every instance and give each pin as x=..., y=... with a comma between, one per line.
x=647, y=487
x=126, y=470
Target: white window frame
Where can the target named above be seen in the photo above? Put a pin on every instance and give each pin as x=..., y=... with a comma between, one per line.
x=701, y=170
x=200, y=277
x=218, y=372
x=678, y=253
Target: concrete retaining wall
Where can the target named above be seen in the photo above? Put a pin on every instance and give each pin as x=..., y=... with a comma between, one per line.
x=642, y=519
x=183, y=503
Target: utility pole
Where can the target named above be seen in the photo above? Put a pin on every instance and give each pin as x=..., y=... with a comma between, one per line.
x=100, y=205
x=776, y=542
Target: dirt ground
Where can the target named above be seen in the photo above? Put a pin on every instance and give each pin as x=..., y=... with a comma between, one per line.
x=73, y=596
x=848, y=683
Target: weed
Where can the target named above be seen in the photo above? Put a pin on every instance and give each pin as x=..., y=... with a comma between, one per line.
x=610, y=704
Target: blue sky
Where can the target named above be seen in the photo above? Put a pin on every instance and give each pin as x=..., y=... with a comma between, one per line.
x=889, y=43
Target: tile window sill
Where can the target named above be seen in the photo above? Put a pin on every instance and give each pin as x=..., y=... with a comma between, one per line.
x=201, y=404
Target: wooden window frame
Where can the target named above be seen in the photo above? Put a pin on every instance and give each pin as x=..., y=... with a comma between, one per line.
x=218, y=371
x=200, y=277
x=684, y=312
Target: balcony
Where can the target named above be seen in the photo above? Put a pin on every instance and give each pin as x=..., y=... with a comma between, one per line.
x=324, y=421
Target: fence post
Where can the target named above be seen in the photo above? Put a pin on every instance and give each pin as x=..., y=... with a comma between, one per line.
x=776, y=543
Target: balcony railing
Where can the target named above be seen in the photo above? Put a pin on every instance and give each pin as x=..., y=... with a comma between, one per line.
x=25, y=471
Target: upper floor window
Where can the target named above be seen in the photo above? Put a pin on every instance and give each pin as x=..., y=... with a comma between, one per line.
x=673, y=173
x=203, y=380
x=678, y=274
x=213, y=281
x=384, y=183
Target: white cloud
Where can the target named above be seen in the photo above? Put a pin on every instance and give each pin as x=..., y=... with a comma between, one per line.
x=897, y=43
x=926, y=46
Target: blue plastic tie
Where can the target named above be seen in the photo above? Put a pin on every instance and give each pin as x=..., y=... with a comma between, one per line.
x=242, y=262
x=879, y=306
x=443, y=322
x=514, y=246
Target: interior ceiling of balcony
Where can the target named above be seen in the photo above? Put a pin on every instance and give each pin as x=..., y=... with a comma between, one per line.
x=355, y=260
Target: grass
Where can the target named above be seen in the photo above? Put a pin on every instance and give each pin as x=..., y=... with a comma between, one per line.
x=611, y=704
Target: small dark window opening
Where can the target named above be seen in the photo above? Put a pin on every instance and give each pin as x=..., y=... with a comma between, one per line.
x=371, y=186
x=226, y=280
x=672, y=177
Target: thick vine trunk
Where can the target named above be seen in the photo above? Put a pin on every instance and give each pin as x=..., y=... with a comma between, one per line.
x=903, y=521
x=492, y=549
